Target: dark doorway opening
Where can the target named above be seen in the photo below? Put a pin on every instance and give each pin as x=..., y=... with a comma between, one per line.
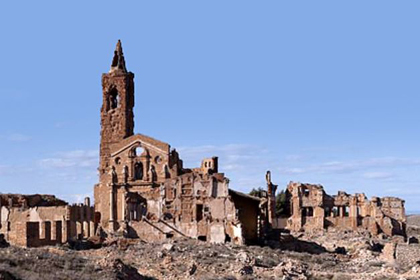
x=199, y=214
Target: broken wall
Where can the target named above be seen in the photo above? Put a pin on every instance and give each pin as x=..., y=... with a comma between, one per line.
x=312, y=209
x=46, y=225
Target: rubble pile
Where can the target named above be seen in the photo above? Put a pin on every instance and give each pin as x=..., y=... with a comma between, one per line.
x=319, y=255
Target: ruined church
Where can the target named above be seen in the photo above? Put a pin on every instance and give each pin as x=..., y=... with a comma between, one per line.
x=145, y=192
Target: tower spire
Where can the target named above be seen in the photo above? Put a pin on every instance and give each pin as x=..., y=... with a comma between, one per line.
x=118, y=62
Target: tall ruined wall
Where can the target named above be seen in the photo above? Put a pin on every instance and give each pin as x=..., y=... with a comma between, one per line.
x=198, y=203
x=248, y=213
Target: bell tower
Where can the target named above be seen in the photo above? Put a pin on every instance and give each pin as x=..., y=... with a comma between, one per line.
x=117, y=118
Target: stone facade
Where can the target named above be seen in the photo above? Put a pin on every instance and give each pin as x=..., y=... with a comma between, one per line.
x=312, y=209
x=145, y=191
x=39, y=220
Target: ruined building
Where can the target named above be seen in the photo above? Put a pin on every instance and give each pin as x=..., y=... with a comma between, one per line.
x=39, y=220
x=145, y=191
x=310, y=208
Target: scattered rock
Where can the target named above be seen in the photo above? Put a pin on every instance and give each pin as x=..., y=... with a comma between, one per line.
x=160, y=254
x=243, y=257
x=340, y=250
x=124, y=243
x=191, y=259
x=375, y=247
x=125, y=272
x=96, y=241
x=246, y=270
x=389, y=252
x=398, y=239
x=416, y=269
x=5, y=275
x=292, y=269
x=168, y=247
x=412, y=240
x=193, y=269
x=167, y=260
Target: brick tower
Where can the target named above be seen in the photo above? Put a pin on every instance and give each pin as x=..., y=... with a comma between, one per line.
x=117, y=118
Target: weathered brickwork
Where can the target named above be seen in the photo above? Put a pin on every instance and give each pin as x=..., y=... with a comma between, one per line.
x=312, y=209
x=39, y=220
x=145, y=191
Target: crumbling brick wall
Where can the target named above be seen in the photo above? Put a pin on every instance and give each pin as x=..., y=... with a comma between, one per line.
x=49, y=221
x=312, y=209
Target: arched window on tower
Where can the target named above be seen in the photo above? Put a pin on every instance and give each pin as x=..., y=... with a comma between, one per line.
x=113, y=99
x=138, y=171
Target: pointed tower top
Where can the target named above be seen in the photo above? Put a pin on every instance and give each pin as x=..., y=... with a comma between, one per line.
x=118, y=62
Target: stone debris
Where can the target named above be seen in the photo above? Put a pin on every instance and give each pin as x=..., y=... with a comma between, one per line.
x=412, y=240
x=244, y=258
x=291, y=269
x=4, y=275
x=193, y=269
x=125, y=272
x=246, y=270
x=389, y=252
x=193, y=259
x=167, y=247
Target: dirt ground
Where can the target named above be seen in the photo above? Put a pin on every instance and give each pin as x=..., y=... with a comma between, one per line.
x=322, y=255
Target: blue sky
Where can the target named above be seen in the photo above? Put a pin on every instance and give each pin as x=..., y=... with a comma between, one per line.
x=316, y=91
